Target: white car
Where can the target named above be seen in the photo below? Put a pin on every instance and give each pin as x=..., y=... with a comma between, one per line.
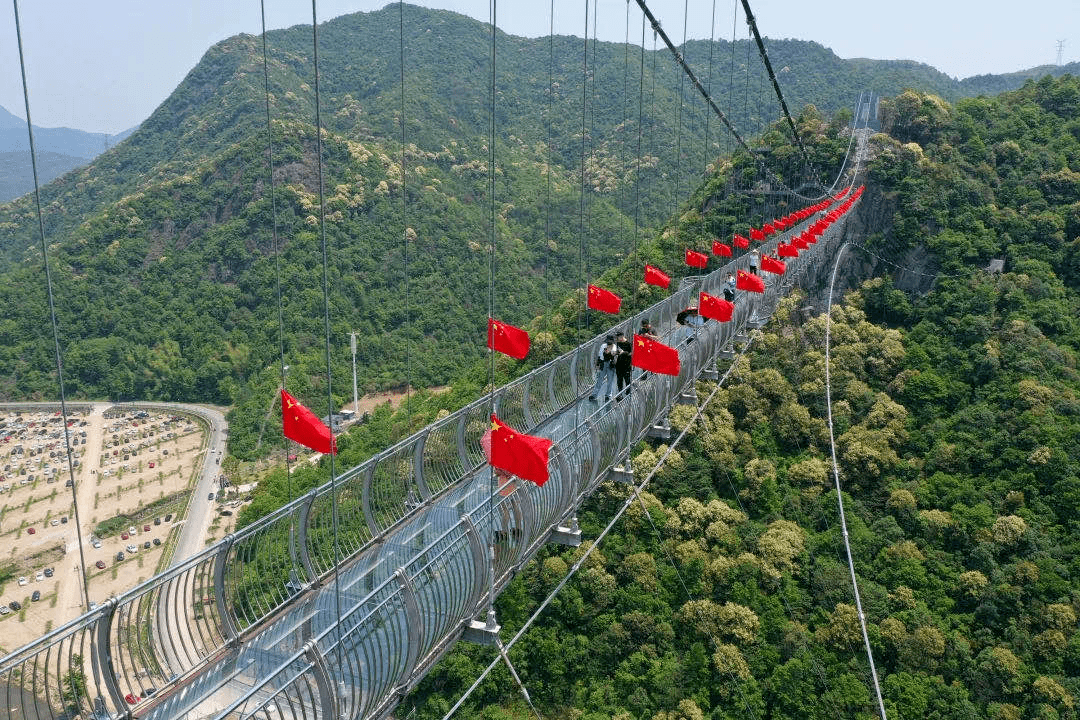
x=23, y=581
x=132, y=549
x=55, y=522
x=4, y=610
x=96, y=544
x=40, y=576
x=131, y=530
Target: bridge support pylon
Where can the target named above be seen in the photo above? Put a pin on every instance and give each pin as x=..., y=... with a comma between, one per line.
x=622, y=473
x=660, y=430
x=712, y=373
x=570, y=535
x=481, y=632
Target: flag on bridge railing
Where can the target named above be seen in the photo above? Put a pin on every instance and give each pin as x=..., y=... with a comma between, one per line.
x=507, y=339
x=714, y=308
x=740, y=241
x=657, y=277
x=519, y=454
x=720, y=249
x=769, y=229
x=696, y=259
x=771, y=264
x=749, y=281
x=300, y=425
x=756, y=234
x=654, y=356
x=785, y=250
x=604, y=300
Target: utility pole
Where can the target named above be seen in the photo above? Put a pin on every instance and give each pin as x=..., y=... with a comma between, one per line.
x=352, y=344
x=1061, y=46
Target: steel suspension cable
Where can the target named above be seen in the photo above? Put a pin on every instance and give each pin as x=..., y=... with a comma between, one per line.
x=582, y=262
x=52, y=311
x=326, y=321
x=493, y=482
x=839, y=492
x=405, y=222
x=678, y=141
x=550, y=125
x=638, y=489
x=640, y=160
x=712, y=41
x=276, y=238
x=776, y=83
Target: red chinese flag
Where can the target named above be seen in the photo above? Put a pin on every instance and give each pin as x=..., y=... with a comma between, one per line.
x=507, y=339
x=771, y=264
x=301, y=425
x=785, y=250
x=519, y=454
x=654, y=356
x=800, y=242
x=720, y=249
x=780, y=224
x=604, y=300
x=750, y=282
x=740, y=242
x=769, y=229
x=696, y=259
x=756, y=234
x=714, y=308
x=657, y=277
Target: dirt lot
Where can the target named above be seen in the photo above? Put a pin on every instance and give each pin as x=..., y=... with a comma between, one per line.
x=134, y=463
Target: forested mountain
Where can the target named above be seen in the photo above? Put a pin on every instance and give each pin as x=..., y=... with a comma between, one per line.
x=957, y=418
x=163, y=247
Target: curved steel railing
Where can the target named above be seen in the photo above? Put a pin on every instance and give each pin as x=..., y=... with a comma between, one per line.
x=248, y=627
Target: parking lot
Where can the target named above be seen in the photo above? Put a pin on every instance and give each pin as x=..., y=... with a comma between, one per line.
x=132, y=470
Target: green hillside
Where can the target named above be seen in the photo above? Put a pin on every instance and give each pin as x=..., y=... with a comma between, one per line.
x=162, y=248
x=958, y=439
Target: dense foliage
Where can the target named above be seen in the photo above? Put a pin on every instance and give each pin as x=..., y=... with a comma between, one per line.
x=163, y=250
x=958, y=439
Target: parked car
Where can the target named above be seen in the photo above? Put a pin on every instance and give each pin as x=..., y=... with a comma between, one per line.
x=96, y=544
x=210, y=497
x=30, y=531
x=124, y=536
x=226, y=512
x=146, y=528
x=54, y=522
x=100, y=564
x=146, y=545
x=4, y=610
x=40, y=575
x=49, y=572
x=15, y=605
x=157, y=521
x=23, y=581
x=119, y=556
x=63, y=520
x=132, y=549
x=151, y=466
x=36, y=596
x=157, y=541
x=168, y=517
x=132, y=530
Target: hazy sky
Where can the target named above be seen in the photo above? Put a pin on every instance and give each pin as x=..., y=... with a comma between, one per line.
x=105, y=66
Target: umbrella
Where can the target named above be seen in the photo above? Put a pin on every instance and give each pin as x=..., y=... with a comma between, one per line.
x=685, y=313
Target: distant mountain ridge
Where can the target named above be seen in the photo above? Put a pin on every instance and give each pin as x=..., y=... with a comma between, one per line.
x=60, y=150
x=164, y=244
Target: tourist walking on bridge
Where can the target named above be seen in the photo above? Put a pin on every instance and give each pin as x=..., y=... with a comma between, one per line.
x=623, y=368
x=605, y=368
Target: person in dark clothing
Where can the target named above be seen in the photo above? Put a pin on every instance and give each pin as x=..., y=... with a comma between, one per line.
x=623, y=367
x=647, y=330
x=729, y=288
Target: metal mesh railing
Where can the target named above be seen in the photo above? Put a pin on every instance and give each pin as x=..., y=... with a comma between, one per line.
x=247, y=628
